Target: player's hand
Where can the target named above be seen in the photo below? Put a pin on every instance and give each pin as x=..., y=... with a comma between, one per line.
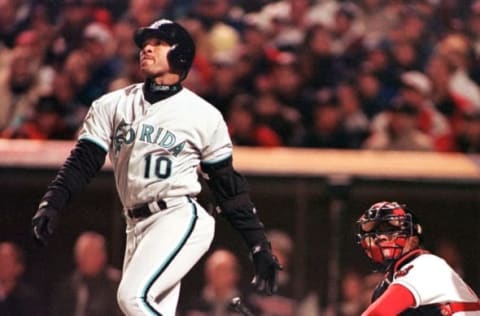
x=44, y=223
x=266, y=269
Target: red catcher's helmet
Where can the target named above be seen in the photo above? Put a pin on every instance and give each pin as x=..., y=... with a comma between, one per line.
x=383, y=231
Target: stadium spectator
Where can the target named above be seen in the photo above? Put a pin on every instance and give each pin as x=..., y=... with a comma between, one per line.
x=17, y=297
x=78, y=67
x=223, y=87
x=222, y=283
x=47, y=123
x=415, y=90
x=98, y=46
x=401, y=131
x=352, y=292
x=468, y=133
x=332, y=43
x=18, y=88
x=73, y=17
x=373, y=95
x=355, y=122
x=319, y=64
x=283, y=303
x=244, y=128
x=327, y=130
x=140, y=12
x=14, y=18
x=285, y=121
x=90, y=290
x=457, y=49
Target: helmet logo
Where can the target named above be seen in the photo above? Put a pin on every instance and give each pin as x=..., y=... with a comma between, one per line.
x=157, y=24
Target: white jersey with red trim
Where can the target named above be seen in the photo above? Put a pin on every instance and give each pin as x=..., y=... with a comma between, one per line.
x=155, y=148
x=431, y=281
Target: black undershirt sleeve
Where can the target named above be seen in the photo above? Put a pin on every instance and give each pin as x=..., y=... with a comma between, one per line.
x=230, y=191
x=84, y=162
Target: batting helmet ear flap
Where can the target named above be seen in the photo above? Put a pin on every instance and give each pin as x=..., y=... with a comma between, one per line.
x=180, y=57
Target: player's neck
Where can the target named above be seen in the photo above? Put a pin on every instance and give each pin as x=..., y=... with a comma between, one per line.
x=155, y=92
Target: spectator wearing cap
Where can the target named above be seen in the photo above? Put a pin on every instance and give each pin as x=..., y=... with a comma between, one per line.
x=416, y=90
x=401, y=132
x=378, y=61
x=99, y=47
x=327, y=130
x=355, y=122
x=439, y=71
x=47, y=123
x=454, y=106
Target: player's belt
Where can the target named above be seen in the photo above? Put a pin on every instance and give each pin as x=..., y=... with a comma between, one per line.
x=453, y=307
x=147, y=209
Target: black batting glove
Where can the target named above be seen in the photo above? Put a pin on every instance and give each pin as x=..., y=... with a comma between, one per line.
x=266, y=269
x=44, y=223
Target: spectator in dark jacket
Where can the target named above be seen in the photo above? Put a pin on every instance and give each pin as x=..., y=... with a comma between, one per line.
x=91, y=289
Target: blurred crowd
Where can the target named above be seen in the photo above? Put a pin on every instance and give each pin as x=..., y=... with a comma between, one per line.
x=373, y=74
x=90, y=287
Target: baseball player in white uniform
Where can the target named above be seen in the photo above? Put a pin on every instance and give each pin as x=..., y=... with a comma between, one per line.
x=416, y=281
x=157, y=134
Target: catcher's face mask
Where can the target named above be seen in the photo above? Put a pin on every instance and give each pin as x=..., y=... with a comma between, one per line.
x=384, y=230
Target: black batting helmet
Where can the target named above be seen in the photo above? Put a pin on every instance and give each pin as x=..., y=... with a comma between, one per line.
x=180, y=57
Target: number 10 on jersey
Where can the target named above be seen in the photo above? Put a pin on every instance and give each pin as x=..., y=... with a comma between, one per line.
x=157, y=166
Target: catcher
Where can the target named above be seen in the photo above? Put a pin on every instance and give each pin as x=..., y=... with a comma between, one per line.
x=416, y=282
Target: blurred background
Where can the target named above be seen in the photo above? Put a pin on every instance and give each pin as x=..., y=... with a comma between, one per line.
x=333, y=105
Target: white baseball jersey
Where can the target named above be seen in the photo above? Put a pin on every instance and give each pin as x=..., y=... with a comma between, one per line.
x=156, y=148
x=431, y=280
